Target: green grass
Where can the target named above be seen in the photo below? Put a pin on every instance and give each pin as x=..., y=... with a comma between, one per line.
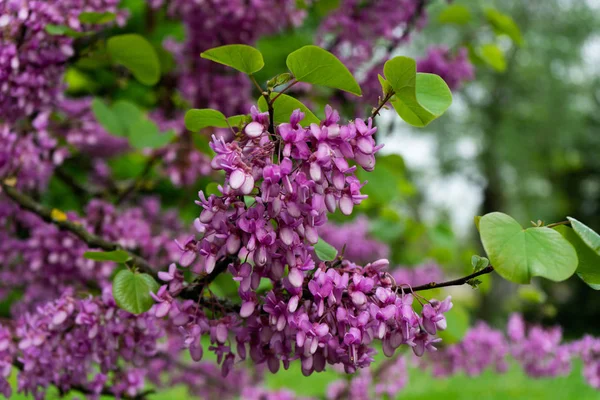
x=489, y=386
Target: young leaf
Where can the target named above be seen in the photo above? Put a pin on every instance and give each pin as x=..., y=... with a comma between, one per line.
x=238, y=56
x=283, y=108
x=137, y=55
x=386, y=88
x=504, y=24
x=144, y=134
x=493, y=56
x=312, y=64
x=197, y=119
x=420, y=98
x=132, y=291
x=455, y=14
x=107, y=118
x=325, y=251
x=96, y=17
x=587, y=234
x=62, y=30
x=589, y=260
x=518, y=254
x=479, y=263
x=116, y=256
x=127, y=113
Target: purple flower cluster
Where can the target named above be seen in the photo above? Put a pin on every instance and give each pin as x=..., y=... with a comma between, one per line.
x=214, y=23
x=182, y=163
x=416, y=276
x=277, y=192
x=588, y=348
x=84, y=343
x=538, y=350
x=32, y=61
x=386, y=381
x=453, y=68
x=353, y=238
x=81, y=130
x=481, y=347
x=353, y=29
x=29, y=154
x=293, y=180
x=42, y=260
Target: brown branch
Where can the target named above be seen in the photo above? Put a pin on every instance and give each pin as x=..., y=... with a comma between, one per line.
x=455, y=282
x=285, y=89
x=82, y=389
x=382, y=103
x=93, y=241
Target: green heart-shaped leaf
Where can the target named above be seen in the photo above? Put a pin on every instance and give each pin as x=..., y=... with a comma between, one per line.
x=312, y=64
x=107, y=118
x=420, y=98
x=518, y=254
x=325, y=251
x=144, y=134
x=589, y=260
x=132, y=291
x=283, y=108
x=504, y=24
x=244, y=58
x=137, y=55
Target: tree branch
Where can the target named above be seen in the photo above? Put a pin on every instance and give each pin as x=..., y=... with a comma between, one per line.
x=82, y=389
x=455, y=282
x=93, y=241
x=382, y=103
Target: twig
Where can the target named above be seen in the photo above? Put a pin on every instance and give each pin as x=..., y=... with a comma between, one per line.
x=455, y=282
x=382, y=103
x=93, y=241
x=285, y=89
x=558, y=223
x=82, y=389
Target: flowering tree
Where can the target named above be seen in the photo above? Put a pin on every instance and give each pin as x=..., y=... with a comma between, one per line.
x=113, y=293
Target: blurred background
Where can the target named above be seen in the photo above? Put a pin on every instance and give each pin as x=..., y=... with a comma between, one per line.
x=522, y=137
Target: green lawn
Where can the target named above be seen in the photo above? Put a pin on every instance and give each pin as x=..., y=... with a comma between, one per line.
x=489, y=386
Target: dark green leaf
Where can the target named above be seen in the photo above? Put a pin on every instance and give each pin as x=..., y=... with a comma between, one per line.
x=587, y=234
x=132, y=291
x=518, y=254
x=212, y=188
x=107, y=118
x=127, y=112
x=136, y=54
x=589, y=260
x=312, y=64
x=283, y=108
x=197, y=119
x=455, y=14
x=116, y=256
x=62, y=30
x=325, y=251
x=493, y=56
x=504, y=24
x=96, y=17
x=420, y=98
x=144, y=134
x=238, y=56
